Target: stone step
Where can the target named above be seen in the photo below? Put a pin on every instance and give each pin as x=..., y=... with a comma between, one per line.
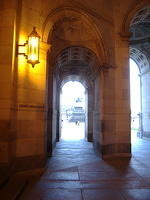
x=13, y=188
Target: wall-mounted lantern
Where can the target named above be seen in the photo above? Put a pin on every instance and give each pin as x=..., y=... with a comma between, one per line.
x=33, y=44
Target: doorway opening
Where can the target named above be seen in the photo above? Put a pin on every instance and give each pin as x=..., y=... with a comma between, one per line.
x=73, y=111
x=73, y=65
x=135, y=99
x=139, y=52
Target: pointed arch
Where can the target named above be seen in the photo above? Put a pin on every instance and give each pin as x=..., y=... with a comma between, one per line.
x=131, y=13
x=60, y=13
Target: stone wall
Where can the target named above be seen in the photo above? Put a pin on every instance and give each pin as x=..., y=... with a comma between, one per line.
x=145, y=90
x=7, y=56
x=24, y=113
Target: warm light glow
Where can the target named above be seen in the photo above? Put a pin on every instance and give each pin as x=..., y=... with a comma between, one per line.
x=31, y=77
x=33, y=44
x=33, y=50
x=34, y=41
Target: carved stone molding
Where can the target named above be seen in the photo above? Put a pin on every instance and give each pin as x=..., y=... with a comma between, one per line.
x=105, y=67
x=132, y=13
x=142, y=16
x=74, y=15
x=74, y=27
x=140, y=58
x=125, y=36
x=76, y=56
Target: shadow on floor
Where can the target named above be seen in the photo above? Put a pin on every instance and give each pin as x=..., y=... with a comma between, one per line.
x=76, y=173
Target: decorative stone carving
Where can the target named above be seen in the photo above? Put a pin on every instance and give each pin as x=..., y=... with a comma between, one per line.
x=125, y=36
x=105, y=67
x=142, y=16
x=72, y=29
x=140, y=58
x=139, y=25
x=76, y=56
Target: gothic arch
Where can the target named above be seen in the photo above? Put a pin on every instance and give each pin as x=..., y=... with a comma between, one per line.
x=71, y=12
x=140, y=58
x=132, y=12
x=74, y=63
x=78, y=55
x=55, y=28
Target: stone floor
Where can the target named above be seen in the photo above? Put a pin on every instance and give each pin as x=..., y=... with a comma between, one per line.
x=76, y=173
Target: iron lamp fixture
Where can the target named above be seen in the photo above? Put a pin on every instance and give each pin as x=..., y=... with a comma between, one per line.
x=33, y=44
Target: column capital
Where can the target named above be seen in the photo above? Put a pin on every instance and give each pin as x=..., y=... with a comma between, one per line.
x=107, y=66
x=125, y=36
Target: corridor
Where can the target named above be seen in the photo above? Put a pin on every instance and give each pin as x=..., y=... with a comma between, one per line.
x=76, y=173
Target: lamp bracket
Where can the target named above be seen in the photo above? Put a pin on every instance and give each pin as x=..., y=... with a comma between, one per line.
x=22, y=45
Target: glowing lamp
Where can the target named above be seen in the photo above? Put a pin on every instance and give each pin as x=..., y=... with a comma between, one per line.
x=33, y=45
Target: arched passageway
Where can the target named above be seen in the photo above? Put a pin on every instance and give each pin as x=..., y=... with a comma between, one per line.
x=79, y=64
x=79, y=53
x=139, y=52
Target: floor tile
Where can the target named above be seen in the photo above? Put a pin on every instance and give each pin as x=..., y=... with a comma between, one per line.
x=61, y=176
x=140, y=194
x=59, y=194
x=59, y=184
x=102, y=195
x=113, y=184
x=75, y=172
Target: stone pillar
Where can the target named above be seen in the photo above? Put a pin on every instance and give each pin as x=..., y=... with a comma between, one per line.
x=90, y=106
x=97, y=113
x=145, y=90
x=7, y=56
x=116, y=109
x=32, y=94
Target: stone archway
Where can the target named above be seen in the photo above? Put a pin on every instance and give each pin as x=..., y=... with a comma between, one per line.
x=71, y=31
x=74, y=63
x=140, y=58
x=72, y=19
x=131, y=16
x=62, y=31
x=139, y=52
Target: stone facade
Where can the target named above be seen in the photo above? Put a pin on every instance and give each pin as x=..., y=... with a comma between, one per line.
x=29, y=112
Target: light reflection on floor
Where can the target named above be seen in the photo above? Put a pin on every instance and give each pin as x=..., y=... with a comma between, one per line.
x=72, y=131
x=134, y=137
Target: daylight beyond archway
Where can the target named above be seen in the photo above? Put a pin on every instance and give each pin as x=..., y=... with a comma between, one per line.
x=72, y=111
x=135, y=99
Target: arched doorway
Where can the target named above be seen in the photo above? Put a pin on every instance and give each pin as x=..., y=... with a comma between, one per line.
x=139, y=26
x=139, y=52
x=73, y=111
x=75, y=63
x=78, y=53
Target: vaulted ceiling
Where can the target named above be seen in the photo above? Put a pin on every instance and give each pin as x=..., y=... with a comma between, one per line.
x=140, y=39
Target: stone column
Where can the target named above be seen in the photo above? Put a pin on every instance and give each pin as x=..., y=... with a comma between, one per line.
x=32, y=94
x=116, y=109
x=145, y=111
x=7, y=56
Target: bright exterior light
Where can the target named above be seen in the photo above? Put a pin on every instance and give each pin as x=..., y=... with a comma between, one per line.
x=33, y=46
